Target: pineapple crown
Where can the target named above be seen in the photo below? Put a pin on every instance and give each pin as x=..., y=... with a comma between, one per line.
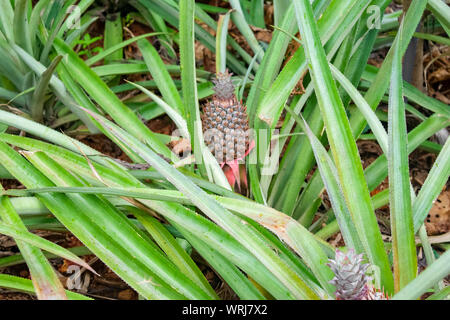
x=350, y=278
x=223, y=87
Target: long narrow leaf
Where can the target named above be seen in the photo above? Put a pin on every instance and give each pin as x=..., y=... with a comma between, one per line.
x=238, y=18
x=171, y=112
x=37, y=102
x=187, y=62
x=330, y=177
x=430, y=276
x=20, y=27
x=404, y=249
x=221, y=42
x=160, y=74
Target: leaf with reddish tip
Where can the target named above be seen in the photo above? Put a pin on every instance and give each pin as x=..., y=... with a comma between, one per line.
x=229, y=174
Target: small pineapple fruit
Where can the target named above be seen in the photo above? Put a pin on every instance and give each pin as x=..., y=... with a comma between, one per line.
x=350, y=279
x=225, y=122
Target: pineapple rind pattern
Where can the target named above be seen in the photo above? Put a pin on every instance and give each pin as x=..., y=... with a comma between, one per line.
x=225, y=122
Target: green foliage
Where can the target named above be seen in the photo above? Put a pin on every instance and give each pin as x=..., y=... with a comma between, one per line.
x=85, y=44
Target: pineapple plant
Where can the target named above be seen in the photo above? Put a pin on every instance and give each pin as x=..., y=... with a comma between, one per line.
x=225, y=122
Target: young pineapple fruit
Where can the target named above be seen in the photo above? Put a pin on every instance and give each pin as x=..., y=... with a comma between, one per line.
x=350, y=279
x=225, y=122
